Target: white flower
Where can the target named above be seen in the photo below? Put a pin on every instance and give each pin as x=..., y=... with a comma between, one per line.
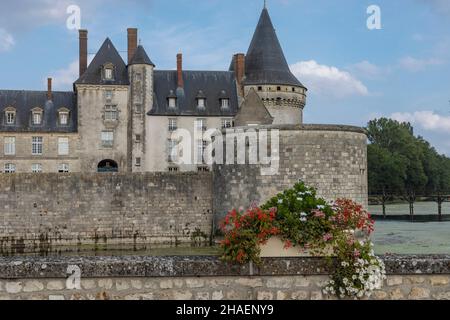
x=303, y=214
x=303, y=219
x=280, y=201
x=320, y=207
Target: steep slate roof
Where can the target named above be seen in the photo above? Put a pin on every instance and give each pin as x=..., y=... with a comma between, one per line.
x=25, y=101
x=106, y=54
x=253, y=111
x=141, y=57
x=213, y=85
x=265, y=62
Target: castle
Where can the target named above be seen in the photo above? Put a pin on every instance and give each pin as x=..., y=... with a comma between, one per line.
x=120, y=116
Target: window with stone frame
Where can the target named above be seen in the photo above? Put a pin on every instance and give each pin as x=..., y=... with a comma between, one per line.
x=10, y=116
x=138, y=162
x=37, y=146
x=107, y=139
x=63, y=146
x=227, y=123
x=63, y=117
x=36, y=168
x=63, y=168
x=225, y=103
x=108, y=72
x=173, y=125
x=172, y=150
x=109, y=96
x=10, y=168
x=36, y=116
x=9, y=146
x=201, y=125
x=111, y=113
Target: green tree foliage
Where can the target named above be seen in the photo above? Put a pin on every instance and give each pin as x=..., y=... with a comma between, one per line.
x=401, y=163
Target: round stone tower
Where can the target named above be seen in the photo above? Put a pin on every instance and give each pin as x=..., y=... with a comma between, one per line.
x=268, y=73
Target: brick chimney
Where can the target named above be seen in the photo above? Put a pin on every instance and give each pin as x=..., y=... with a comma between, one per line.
x=239, y=68
x=83, y=51
x=49, y=89
x=180, y=70
x=132, y=42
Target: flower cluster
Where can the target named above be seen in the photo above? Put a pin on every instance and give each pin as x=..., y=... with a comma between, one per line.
x=358, y=272
x=307, y=222
x=245, y=232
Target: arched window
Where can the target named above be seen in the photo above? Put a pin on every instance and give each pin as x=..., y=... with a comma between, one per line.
x=107, y=166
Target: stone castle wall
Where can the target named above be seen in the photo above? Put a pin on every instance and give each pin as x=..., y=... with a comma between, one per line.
x=40, y=212
x=44, y=211
x=333, y=159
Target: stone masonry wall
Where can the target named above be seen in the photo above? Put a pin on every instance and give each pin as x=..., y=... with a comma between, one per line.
x=39, y=212
x=196, y=278
x=333, y=159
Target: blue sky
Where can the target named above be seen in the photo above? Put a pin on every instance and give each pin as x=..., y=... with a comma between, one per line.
x=353, y=74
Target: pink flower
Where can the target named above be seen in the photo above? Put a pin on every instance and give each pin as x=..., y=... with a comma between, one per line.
x=327, y=237
x=319, y=214
x=357, y=253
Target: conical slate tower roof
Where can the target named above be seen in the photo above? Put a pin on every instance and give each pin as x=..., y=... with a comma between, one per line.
x=265, y=62
x=107, y=54
x=141, y=57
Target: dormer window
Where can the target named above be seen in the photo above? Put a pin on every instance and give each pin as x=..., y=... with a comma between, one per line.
x=10, y=115
x=225, y=103
x=63, y=117
x=201, y=102
x=36, y=117
x=172, y=102
x=108, y=72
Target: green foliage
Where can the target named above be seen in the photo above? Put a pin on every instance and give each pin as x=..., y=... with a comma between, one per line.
x=302, y=217
x=400, y=162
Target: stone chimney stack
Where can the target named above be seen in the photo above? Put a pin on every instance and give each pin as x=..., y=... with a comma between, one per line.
x=83, y=58
x=239, y=68
x=180, y=70
x=132, y=43
x=49, y=89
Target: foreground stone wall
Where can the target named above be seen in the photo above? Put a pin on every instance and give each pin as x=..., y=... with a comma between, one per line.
x=333, y=159
x=188, y=278
x=40, y=212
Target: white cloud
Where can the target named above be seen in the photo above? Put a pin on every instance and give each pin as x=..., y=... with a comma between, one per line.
x=64, y=78
x=6, y=40
x=414, y=65
x=365, y=69
x=328, y=80
x=427, y=120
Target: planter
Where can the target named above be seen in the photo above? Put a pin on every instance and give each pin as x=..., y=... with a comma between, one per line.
x=274, y=248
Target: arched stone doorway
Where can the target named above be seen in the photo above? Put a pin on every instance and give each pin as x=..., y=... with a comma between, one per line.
x=106, y=166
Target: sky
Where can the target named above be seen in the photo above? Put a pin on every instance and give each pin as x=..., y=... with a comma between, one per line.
x=353, y=73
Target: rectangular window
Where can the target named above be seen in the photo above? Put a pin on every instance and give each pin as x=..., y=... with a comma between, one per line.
x=201, y=103
x=37, y=118
x=10, y=168
x=173, y=126
x=172, y=102
x=36, y=168
x=36, y=146
x=107, y=139
x=200, y=149
x=203, y=169
x=10, y=117
x=173, y=151
x=63, y=118
x=108, y=95
x=10, y=146
x=138, y=162
x=200, y=125
x=63, y=146
x=225, y=103
x=173, y=169
x=138, y=138
x=227, y=123
x=111, y=113
x=108, y=73
x=138, y=77
x=63, y=168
